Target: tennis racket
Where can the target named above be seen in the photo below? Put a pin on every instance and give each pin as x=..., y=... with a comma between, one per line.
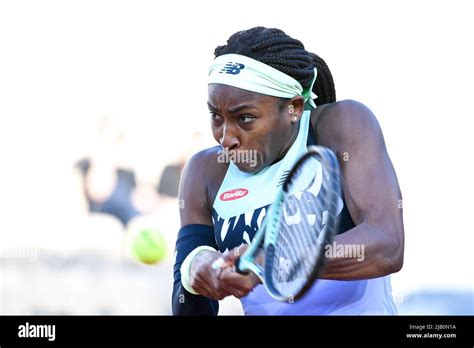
x=287, y=252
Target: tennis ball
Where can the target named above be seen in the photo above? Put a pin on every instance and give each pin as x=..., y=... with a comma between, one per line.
x=149, y=246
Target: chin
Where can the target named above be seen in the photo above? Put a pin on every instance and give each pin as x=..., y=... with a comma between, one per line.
x=247, y=168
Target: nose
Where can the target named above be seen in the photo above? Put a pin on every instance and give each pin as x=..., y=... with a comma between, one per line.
x=229, y=139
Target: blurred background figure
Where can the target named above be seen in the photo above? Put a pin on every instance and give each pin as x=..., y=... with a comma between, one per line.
x=107, y=184
x=169, y=182
x=110, y=184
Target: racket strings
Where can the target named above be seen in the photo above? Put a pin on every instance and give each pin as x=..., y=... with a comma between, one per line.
x=302, y=230
x=300, y=240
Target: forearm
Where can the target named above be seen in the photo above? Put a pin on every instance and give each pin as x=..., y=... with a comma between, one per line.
x=183, y=302
x=365, y=251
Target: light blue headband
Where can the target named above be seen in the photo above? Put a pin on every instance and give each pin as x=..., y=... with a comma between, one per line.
x=246, y=73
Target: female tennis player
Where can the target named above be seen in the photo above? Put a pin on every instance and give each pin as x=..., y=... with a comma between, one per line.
x=269, y=99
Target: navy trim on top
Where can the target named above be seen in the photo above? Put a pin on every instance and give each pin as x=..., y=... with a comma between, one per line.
x=345, y=219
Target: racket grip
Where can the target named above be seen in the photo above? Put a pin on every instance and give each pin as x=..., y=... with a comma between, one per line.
x=238, y=268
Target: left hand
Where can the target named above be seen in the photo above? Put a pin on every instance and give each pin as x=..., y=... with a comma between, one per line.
x=235, y=283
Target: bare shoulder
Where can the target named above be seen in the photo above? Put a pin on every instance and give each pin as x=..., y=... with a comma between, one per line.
x=345, y=121
x=204, y=158
x=204, y=169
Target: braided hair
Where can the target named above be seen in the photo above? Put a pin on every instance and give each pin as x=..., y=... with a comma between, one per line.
x=275, y=48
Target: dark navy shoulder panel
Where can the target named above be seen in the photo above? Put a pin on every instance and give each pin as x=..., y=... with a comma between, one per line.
x=345, y=219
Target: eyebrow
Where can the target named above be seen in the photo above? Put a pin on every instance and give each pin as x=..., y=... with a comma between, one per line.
x=212, y=107
x=234, y=109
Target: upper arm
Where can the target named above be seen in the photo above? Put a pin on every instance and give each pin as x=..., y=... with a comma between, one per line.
x=194, y=208
x=369, y=181
x=201, y=178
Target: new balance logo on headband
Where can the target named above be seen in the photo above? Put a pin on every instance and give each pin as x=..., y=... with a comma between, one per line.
x=232, y=68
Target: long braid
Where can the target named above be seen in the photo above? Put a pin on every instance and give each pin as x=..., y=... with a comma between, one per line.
x=273, y=47
x=324, y=85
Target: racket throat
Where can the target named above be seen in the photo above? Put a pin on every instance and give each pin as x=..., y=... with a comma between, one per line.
x=244, y=266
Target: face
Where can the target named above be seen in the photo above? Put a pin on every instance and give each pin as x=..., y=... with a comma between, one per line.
x=254, y=130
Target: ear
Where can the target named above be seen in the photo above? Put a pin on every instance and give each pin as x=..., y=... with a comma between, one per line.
x=294, y=109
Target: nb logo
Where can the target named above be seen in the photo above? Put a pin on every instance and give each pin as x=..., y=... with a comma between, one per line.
x=232, y=68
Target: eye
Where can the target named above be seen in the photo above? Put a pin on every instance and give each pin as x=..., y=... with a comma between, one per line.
x=215, y=117
x=246, y=118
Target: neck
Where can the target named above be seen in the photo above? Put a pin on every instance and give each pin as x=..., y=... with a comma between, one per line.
x=287, y=145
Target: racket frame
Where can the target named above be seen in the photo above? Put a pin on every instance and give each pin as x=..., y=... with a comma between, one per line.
x=268, y=232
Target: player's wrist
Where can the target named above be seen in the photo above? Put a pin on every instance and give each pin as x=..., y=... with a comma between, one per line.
x=189, y=265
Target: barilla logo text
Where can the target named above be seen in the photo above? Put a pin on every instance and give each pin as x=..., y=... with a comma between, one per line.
x=234, y=194
x=232, y=68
